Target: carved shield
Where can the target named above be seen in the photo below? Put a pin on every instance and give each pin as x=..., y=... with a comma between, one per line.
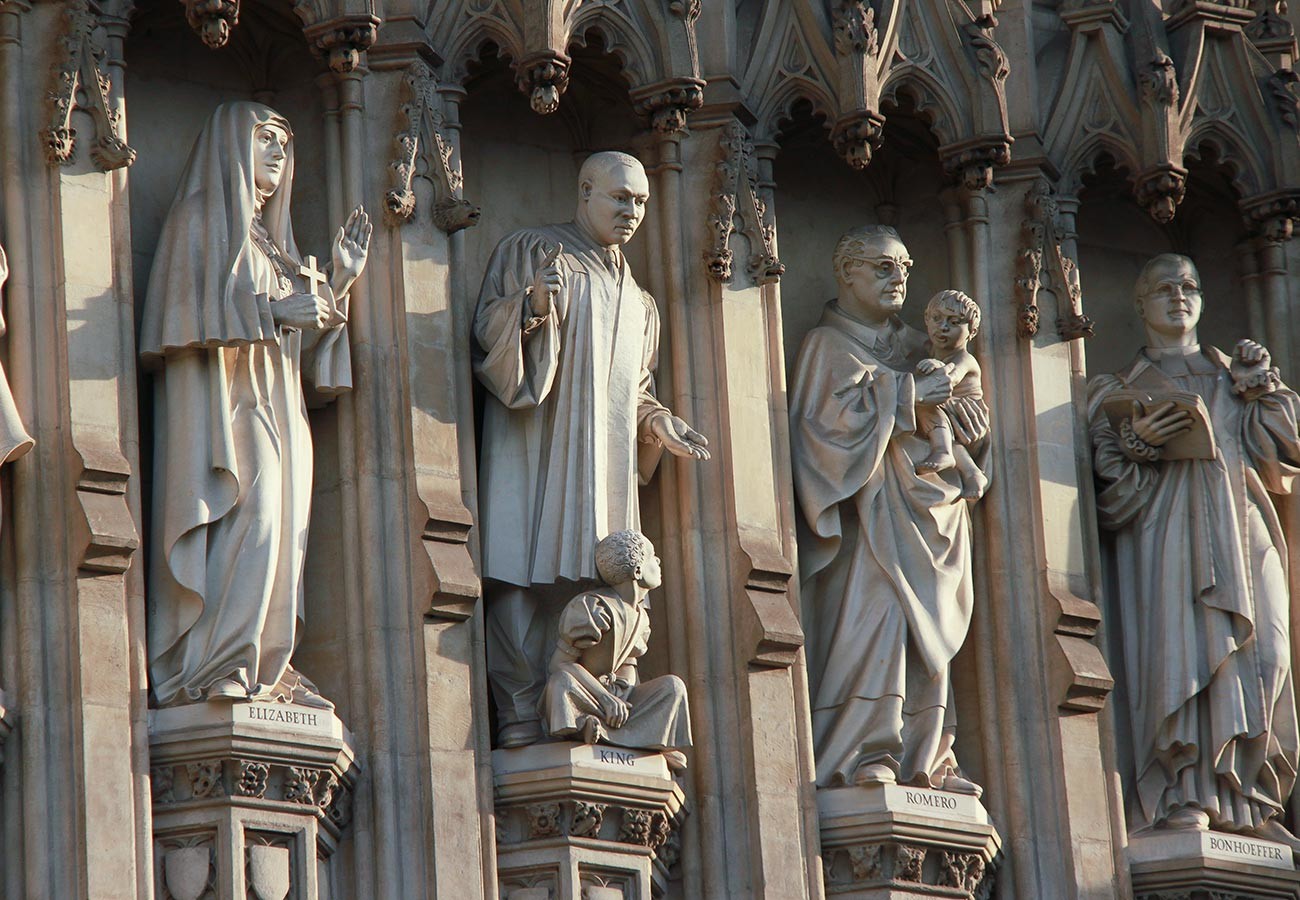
x=268, y=872
x=186, y=871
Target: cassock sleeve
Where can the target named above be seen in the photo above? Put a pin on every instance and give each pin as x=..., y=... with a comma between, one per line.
x=327, y=361
x=1124, y=486
x=845, y=408
x=1269, y=433
x=649, y=450
x=581, y=625
x=519, y=353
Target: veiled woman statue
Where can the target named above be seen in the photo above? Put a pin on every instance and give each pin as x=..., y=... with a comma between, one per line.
x=237, y=327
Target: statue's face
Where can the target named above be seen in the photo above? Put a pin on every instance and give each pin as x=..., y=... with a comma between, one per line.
x=1172, y=305
x=269, y=153
x=613, y=203
x=652, y=575
x=877, y=285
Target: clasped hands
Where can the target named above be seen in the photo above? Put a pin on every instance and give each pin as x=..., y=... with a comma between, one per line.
x=969, y=415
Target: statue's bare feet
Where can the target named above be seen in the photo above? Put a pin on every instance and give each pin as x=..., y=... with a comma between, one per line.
x=227, y=689
x=519, y=734
x=936, y=462
x=676, y=760
x=1189, y=818
x=974, y=485
x=592, y=731
x=874, y=773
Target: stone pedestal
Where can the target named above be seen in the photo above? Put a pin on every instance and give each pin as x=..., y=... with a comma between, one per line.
x=584, y=822
x=891, y=842
x=249, y=799
x=1210, y=865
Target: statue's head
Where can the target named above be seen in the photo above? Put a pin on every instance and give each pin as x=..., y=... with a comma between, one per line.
x=1168, y=296
x=612, y=194
x=951, y=319
x=871, y=265
x=270, y=150
x=628, y=556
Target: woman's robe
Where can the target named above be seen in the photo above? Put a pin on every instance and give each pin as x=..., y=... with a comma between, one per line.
x=232, y=450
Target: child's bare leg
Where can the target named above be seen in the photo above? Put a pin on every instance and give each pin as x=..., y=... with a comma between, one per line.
x=973, y=480
x=940, y=457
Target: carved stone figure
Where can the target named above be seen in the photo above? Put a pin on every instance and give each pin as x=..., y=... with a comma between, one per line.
x=886, y=542
x=951, y=320
x=14, y=439
x=594, y=691
x=238, y=324
x=566, y=346
x=1188, y=445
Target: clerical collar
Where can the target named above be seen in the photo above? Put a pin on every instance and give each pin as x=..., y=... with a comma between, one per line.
x=612, y=257
x=873, y=335
x=1180, y=360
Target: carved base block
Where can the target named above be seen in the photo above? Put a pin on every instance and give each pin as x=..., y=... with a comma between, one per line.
x=1191, y=865
x=582, y=822
x=890, y=842
x=249, y=799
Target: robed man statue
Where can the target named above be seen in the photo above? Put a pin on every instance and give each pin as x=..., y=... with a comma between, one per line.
x=885, y=548
x=566, y=345
x=1188, y=445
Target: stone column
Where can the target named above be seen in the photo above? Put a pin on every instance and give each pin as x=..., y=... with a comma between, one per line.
x=1046, y=773
x=728, y=550
x=402, y=621
x=74, y=787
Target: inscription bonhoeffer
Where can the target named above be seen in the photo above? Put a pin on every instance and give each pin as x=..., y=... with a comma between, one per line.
x=1238, y=847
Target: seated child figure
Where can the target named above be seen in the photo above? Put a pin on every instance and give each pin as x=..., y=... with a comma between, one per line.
x=593, y=692
x=952, y=319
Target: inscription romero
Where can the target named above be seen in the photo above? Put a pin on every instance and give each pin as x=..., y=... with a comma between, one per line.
x=930, y=801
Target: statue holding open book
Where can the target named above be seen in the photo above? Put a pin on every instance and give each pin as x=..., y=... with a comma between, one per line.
x=1188, y=444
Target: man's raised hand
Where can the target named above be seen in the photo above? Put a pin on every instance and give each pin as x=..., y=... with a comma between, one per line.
x=548, y=282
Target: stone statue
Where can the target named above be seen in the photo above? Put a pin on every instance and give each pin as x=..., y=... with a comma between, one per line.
x=237, y=323
x=14, y=439
x=952, y=319
x=594, y=692
x=1188, y=445
x=885, y=542
x=566, y=346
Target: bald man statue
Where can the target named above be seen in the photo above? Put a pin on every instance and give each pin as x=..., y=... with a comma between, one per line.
x=566, y=345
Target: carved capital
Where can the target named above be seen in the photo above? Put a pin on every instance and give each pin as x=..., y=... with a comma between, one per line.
x=1159, y=190
x=80, y=68
x=1158, y=82
x=971, y=164
x=668, y=105
x=339, y=30
x=1272, y=216
x=212, y=19
x=543, y=77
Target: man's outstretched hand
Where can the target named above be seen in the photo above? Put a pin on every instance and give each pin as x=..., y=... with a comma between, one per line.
x=677, y=437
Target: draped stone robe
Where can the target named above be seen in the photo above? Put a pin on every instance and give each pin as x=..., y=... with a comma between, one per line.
x=885, y=554
x=658, y=717
x=232, y=450
x=570, y=395
x=1199, y=570
x=14, y=439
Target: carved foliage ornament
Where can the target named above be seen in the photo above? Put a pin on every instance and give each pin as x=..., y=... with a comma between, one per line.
x=735, y=175
x=857, y=133
x=1040, y=261
x=212, y=19
x=423, y=131
x=79, y=69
